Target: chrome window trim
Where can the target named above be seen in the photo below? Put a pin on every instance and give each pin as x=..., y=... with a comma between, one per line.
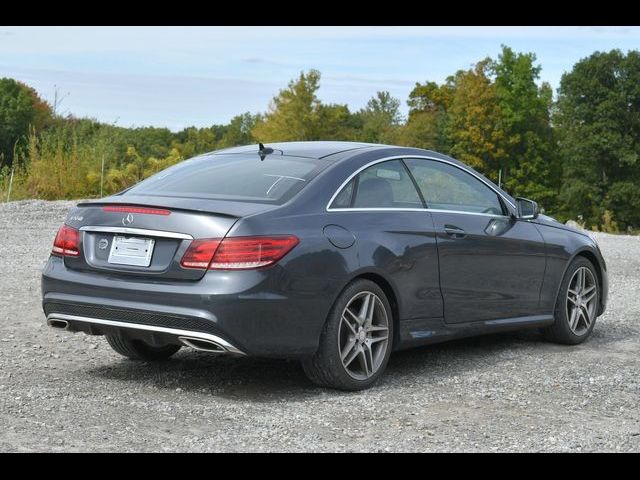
x=409, y=157
x=375, y=209
x=464, y=212
x=150, y=328
x=136, y=231
x=434, y=210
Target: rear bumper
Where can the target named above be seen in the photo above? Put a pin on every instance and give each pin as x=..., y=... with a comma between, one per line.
x=151, y=333
x=245, y=312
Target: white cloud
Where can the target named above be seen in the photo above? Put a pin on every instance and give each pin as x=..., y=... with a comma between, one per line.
x=178, y=76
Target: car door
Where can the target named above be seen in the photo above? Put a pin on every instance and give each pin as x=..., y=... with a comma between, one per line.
x=491, y=264
x=381, y=207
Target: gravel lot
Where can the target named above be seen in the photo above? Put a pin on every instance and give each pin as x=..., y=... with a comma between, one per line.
x=509, y=392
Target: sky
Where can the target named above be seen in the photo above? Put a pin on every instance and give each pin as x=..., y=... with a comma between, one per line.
x=177, y=77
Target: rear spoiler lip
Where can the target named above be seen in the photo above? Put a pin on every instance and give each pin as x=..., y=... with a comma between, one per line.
x=205, y=209
x=224, y=207
x=89, y=204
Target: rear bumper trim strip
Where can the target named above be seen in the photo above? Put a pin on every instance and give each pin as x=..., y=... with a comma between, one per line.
x=151, y=328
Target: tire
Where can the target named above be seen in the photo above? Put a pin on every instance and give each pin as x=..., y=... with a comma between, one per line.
x=372, y=352
x=561, y=331
x=139, y=350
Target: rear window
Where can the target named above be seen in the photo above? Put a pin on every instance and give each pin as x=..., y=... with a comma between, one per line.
x=233, y=177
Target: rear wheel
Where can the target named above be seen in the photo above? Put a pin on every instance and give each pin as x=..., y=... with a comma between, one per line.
x=577, y=304
x=139, y=350
x=356, y=341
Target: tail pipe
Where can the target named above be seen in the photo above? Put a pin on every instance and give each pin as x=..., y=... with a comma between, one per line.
x=57, y=323
x=203, y=345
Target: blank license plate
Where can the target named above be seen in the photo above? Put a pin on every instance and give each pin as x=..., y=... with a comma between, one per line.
x=131, y=251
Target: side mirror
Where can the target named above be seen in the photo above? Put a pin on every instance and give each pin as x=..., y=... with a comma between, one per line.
x=527, y=209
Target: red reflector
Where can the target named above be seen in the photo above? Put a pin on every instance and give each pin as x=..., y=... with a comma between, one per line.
x=67, y=242
x=130, y=209
x=200, y=253
x=237, y=253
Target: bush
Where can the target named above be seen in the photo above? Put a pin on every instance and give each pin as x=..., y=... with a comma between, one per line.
x=624, y=199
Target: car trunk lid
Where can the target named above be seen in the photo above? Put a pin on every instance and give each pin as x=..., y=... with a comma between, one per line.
x=149, y=235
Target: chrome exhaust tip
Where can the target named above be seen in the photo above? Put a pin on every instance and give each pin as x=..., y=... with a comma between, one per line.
x=202, y=345
x=59, y=324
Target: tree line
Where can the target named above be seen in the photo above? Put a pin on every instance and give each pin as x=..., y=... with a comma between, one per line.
x=576, y=153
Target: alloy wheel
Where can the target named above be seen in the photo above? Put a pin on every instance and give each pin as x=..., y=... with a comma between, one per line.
x=582, y=297
x=363, y=337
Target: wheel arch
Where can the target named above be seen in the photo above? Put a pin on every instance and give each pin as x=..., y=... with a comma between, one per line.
x=390, y=291
x=586, y=252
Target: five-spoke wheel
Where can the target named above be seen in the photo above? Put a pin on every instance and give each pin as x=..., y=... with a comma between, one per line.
x=356, y=340
x=577, y=304
x=363, y=335
x=581, y=300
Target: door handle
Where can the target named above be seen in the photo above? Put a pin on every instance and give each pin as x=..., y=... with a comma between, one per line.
x=455, y=232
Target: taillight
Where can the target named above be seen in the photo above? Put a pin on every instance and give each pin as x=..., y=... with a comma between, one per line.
x=200, y=253
x=67, y=242
x=251, y=252
x=238, y=253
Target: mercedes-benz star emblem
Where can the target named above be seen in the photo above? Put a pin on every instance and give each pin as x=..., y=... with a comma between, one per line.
x=128, y=220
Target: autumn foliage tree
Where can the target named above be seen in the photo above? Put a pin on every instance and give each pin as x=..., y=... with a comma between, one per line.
x=579, y=156
x=496, y=118
x=475, y=125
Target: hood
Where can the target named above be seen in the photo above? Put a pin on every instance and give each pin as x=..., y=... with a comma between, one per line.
x=552, y=222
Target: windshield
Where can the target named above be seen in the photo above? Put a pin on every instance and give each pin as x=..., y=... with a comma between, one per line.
x=233, y=177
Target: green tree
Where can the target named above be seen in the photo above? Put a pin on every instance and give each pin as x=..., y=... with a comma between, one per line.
x=238, y=132
x=430, y=96
x=20, y=109
x=424, y=130
x=598, y=121
x=192, y=140
x=379, y=120
x=335, y=122
x=529, y=165
x=294, y=114
x=426, y=126
x=297, y=114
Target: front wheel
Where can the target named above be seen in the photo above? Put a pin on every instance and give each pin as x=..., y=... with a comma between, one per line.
x=576, y=305
x=356, y=341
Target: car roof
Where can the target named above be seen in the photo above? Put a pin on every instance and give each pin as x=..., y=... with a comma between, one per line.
x=339, y=151
x=301, y=149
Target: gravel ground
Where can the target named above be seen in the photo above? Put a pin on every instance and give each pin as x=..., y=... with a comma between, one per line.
x=509, y=392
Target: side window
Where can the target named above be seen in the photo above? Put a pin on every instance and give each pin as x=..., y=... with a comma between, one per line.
x=445, y=187
x=383, y=185
x=343, y=199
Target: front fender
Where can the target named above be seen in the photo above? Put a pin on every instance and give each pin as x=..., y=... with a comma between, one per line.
x=562, y=247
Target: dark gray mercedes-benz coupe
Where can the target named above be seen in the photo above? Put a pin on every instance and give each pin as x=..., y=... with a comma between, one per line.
x=334, y=253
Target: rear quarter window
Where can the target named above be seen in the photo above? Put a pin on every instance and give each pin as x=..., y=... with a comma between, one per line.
x=382, y=185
